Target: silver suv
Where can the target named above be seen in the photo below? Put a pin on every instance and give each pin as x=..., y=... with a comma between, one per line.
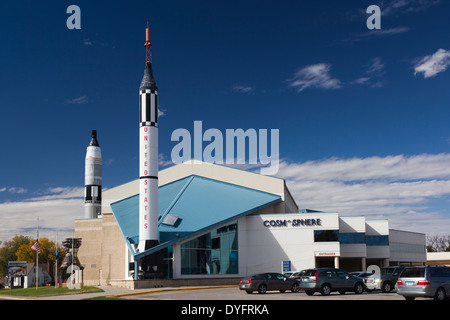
x=326, y=280
x=429, y=282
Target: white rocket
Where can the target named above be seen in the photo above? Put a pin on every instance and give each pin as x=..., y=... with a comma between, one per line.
x=93, y=179
x=148, y=156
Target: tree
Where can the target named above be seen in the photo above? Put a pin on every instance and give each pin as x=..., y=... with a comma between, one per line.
x=438, y=243
x=8, y=252
x=19, y=249
x=48, y=251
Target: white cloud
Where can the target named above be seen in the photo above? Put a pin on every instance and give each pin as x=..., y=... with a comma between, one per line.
x=433, y=64
x=315, y=76
x=241, y=88
x=57, y=209
x=396, y=7
x=13, y=190
x=79, y=100
x=375, y=33
x=402, y=189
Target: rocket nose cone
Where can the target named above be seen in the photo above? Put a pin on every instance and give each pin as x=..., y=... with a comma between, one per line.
x=94, y=141
x=148, y=81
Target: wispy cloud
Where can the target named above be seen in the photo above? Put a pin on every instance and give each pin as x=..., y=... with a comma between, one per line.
x=433, y=64
x=163, y=162
x=314, y=76
x=393, y=8
x=373, y=34
x=373, y=75
x=13, y=190
x=88, y=42
x=241, y=88
x=398, y=7
x=79, y=100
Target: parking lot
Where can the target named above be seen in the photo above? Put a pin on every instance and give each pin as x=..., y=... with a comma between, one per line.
x=235, y=294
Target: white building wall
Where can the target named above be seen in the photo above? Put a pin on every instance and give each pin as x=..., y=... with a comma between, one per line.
x=377, y=228
x=353, y=225
x=407, y=247
x=266, y=246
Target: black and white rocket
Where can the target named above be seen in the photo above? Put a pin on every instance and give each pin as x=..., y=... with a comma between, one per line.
x=93, y=179
x=148, y=156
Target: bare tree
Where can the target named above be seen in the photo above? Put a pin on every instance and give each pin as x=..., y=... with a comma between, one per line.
x=438, y=243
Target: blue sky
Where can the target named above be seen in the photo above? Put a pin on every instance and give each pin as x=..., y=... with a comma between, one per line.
x=363, y=114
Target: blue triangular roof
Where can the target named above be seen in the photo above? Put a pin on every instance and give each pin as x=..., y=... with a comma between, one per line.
x=200, y=203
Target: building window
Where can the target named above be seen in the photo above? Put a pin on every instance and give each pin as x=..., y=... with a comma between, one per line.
x=407, y=247
x=377, y=241
x=326, y=235
x=213, y=253
x=352, y=238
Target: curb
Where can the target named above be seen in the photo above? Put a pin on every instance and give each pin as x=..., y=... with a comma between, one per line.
x=170, y=289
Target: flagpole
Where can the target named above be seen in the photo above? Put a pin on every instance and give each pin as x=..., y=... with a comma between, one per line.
x=56, y=261
x=37, y=255
x=72, y=272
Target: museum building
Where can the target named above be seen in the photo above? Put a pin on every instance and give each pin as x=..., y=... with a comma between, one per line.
x=218, y=222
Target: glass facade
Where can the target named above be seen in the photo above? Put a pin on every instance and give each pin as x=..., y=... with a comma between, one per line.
x=326, y=235
x=212, y=253
x=377, y=241
x=352, y=238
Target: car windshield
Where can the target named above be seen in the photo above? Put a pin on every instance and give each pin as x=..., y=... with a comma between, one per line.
x=387, y=271
x=363, y=274
x=310, y=273
x=413, y=273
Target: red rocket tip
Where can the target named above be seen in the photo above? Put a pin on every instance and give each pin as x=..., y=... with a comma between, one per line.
x=148, y=44
x=147, y=37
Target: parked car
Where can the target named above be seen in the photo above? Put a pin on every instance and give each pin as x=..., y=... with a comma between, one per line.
x=371, y=280
x=264, y=282
x=297, y=275
x=429, y=282
x=389, y=276
x=327, y=280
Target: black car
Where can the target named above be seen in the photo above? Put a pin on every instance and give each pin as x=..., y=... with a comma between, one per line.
x=389, y=276
x=263, y=282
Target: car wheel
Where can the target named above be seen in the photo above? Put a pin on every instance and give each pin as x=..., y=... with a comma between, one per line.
x=326, y=290
x=295, y=287
x=309, y=292
x=262, y=288
x=359, y=288
x=386, y=287
x=249, y=291
x=440, y=294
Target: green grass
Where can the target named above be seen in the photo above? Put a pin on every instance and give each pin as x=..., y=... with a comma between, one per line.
x=47, y=291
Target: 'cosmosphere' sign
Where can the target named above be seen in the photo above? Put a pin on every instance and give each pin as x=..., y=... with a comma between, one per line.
x=292, y=223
